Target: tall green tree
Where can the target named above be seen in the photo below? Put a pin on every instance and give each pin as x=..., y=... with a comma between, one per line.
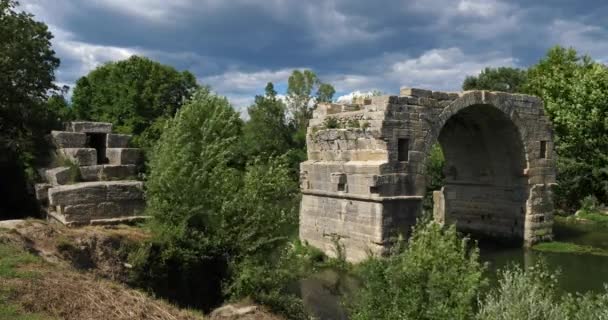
x=575, y=92
x=209, y=217
x=497, y=79
x=304, y=90
x=137, y=95
x=27, y=72
x=267, y=133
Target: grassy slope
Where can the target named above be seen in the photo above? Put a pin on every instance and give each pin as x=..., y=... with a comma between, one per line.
x=33, y=289
x=586, y=219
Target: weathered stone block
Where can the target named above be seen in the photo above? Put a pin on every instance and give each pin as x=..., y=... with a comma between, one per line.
x=42, y=191
x=107, y=172
x=86, y=192
x=414, y=92
x=82, y=156
x=118, y=156
x=115, y=140
x=65, y=139
x=58, y=176
x=96, y=192
x=90, y=127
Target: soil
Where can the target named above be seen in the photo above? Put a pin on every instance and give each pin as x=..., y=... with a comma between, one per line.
x=84, y=272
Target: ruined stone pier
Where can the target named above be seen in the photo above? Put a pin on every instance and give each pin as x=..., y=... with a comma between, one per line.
x=364, y=180
x=94, y=180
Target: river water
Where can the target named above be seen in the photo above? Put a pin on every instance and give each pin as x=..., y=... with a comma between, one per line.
x=323, y=292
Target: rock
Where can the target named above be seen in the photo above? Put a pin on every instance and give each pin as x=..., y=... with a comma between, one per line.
x=58, y=176
x=107, y=172
x=232, y=312
x=82, y=156
x=11, y=224
x=87, y=192
x=96, y=192
x=119, y=156
x=90, y=127
x=65, y=139
x=115, y=140
x=42, y=191
x=414, y=92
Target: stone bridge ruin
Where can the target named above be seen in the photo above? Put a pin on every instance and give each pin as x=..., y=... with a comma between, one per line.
x=364, y=180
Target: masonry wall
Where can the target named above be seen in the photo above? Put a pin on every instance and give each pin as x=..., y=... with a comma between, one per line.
x=364, y=179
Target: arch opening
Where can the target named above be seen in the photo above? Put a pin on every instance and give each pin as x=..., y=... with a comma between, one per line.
x=485, y=190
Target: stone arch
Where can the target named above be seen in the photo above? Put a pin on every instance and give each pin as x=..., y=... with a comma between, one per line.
x=365, y=178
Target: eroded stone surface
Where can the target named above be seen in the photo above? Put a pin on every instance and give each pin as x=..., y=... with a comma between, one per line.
x=81, y=156
x=121, y=156
x=107, y=172
x=90, y=127
x=365, y=175
x=58, y=176
x=115, y=140
x=64, y=139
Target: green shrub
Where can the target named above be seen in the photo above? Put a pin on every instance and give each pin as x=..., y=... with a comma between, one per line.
x=531, y=294
x=437, y=276
x=218, y=231
x=331, y=123
x=589, y=204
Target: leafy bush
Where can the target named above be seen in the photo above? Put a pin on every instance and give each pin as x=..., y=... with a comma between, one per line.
x=531, y=294
x=133, y=94
x=589, y=204
x=218, y=231
x=331, y=123
x=437, y=276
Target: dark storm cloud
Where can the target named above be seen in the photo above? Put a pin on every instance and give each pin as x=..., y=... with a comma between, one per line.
x=237, y=46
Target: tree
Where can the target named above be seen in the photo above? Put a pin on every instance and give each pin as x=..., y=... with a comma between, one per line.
x=137, y=95
x=300, y=87
x=27, y=72
x=497, y=79
x=211, y=221
x=575, y=92
x=437, y=276
x=267, y=132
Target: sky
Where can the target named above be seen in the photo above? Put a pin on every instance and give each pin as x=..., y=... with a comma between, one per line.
x=237, y=46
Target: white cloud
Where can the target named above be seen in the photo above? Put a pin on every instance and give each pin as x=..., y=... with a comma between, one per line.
x=586, y=39
x=241, y=81
x=348, y=98
x=82, y=57
x=436, y=69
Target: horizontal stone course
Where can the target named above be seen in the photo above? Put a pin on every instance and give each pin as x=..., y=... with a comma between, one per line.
x=107, y=172
x=122, y=156
x=115, y=140
x=90, y=127
x=65, y=139
x=81, y=156
x=58, y=176
x=93, y=192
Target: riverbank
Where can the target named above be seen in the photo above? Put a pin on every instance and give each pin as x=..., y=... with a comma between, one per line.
x=583, y=233
x=52, y=272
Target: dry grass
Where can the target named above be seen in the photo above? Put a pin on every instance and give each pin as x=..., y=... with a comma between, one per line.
x=66, y=294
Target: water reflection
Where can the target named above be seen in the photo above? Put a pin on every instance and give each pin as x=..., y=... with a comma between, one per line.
x=324, y=292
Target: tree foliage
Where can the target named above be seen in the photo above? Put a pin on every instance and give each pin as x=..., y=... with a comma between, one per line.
x=437, y=276
x=211, y=220
x=531, y=294
x=575, y=92
x=497, y=79
x=267, y=133
x=304, y=91
x=137, y=95
x=27, y=72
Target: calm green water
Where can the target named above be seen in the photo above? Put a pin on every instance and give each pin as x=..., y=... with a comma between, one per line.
x=322, y=293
